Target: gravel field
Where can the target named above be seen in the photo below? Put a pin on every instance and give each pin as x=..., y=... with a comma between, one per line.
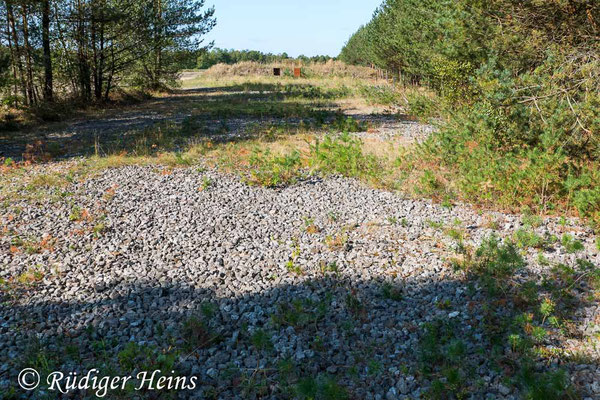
x=329, y=276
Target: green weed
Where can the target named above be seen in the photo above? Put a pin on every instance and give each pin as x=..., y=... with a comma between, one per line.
x=197, y=334
x=391, y=292
x=300, y=313
x=274, y=171
x=261, y=340
x=354, y=305
x=348, y=124
x=76, y=214
x=320, y=388
x=294, y=268
x=383, y=94
x=570, y=244
x=553, y=385
x=493, y=262
x=525, y=238
x=532, y=221
x=343, y=155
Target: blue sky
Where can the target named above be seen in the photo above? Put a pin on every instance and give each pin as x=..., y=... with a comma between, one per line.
x=309, y=27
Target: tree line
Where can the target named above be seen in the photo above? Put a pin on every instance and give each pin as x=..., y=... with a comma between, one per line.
x=538, y=62
x=518, y=87
x=430, y=39
x=214, y=56
x=86, y=48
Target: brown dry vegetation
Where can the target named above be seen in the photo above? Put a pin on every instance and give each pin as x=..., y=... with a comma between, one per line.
x=328, y=69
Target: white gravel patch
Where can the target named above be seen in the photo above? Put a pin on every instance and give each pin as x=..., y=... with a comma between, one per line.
x=171, y=244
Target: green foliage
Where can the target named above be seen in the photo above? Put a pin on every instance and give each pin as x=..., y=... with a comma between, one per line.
x=533, y=221
x=208, y=58
x=570, y=244
x=300, y=313
x=357, y=50
x=496, y=259
x=348, y=124
x=441, y=352
x=342, y=155
x=422, y=106
x=493, y=263
x=391, y=292
x=525, y=238
x=128, y=43
x=544, y=386
x=4, y=70
x=519, y=103
x=320, y=388
x=261, y=340
x=196, y=332
x=76, y=214
x=354, y=305
x=135, y=356
x=383, y=94
x=274, y=171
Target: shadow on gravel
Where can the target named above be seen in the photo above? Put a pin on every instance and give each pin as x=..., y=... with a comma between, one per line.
x=325, y=338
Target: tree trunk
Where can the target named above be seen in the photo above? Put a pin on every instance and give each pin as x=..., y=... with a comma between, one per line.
x=96, y=72
x=28, y=54
x=70, y=70
x=157, y=45
x=13, y=59
x=98, y=47
x=17, y=59
x=48, y=85
x=110, y=75
x=85, y=86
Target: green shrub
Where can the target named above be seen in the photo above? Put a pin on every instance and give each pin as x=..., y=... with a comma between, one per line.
x=342, y=155
x=299, y=313
x=347, y=124
x=552, y=385
x=274, y=171
x=391, y=292
x=321, y=388
x=519, y=106
x=525, y=238
x=587, y=201
x=570, y=244
x=492, y=262
x=196, y=333
x=497, y=259
x=422, y=106
x=383, y=94
x=261, y=340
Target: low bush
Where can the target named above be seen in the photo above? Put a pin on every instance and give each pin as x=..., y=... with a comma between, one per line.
x=381, y=94
x=274, y=170
x=493, y=263
x=343, y=155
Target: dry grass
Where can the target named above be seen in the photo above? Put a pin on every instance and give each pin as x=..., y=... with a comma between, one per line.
x=329, y=69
